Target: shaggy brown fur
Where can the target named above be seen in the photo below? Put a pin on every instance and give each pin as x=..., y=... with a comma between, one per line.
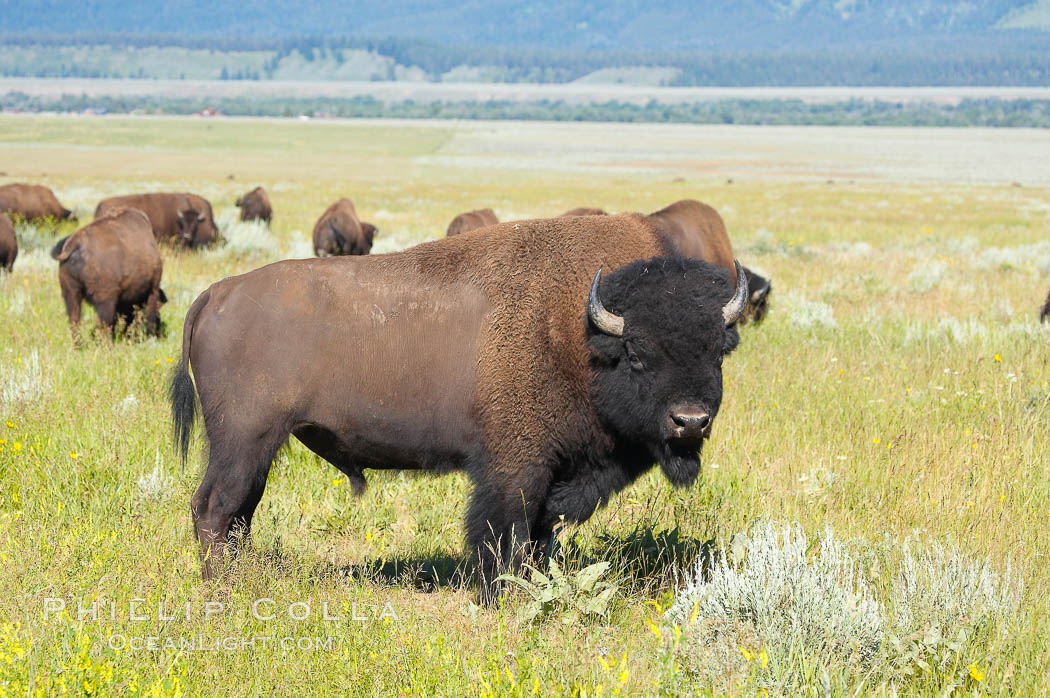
x=8, y=244
x=186, y=218
x=701, y=232
x=115, y=265
x=340, y=232
x=31, y=201
x=468, y=353
x=255, y=206
x=471, y=220
x=585, y=212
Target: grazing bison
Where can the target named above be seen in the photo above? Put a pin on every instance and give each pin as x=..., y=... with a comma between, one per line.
x=471, y=220
x=8, y=244
x=32, y=202
x=186, y=218
x=504, y=353
x=584, y=212
x=114, y=264
x=255, y=206
x=758, y=301
x=1045, y=314
x=340, y=232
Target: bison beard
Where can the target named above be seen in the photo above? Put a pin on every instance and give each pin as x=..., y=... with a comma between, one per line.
x=512, y=377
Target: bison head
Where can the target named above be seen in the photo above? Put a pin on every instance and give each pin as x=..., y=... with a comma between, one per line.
x=657, y=341
x=195, y=228
x=369, y=231
x=758, y=302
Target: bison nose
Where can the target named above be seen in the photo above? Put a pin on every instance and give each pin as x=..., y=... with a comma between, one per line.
x=690, y=425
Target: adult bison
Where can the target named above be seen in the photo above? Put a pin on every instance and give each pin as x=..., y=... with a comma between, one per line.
x=115, y=265
x=471, y=220
x=340, y=232
x=32, y=202
x=583, y=211
x=1044, y=315
x=502, y=353
x=255, y=206
x=8, y=244
x=186, y=218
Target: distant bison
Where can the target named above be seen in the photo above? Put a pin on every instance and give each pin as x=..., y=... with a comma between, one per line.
x=471, y=220
x=255, y=206
x=32, y=202
x=700, y=229
x=115, y=265
x=8, y=244
x=1045, y=314
x=584, y=212
x=506, y=353
x=758, y=301
x=340, y=232
x=186, y=218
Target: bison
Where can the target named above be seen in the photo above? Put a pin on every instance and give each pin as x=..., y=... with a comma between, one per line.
x=507, y=354
x=8, y=244
x=32, y=202
x=340, y=232
x=471, y=220
x=1044, y=315
x=758, y=301
x=255, y=206
x=186, y=218
x=114, y=264
x=584, y=212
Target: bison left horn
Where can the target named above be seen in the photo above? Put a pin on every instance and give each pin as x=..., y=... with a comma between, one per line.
x=732, y=310
x=609, y=323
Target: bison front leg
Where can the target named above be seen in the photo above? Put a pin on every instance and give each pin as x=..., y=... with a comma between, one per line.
x=502, y=529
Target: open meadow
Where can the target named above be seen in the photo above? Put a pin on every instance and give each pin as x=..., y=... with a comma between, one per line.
x=873, y=512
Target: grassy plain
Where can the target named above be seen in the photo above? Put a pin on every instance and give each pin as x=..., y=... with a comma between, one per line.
x=898, y=392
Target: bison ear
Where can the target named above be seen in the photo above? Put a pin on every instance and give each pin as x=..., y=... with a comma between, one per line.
x=370, y=231
x=238, y=201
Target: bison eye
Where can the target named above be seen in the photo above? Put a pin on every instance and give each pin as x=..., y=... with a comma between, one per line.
x=636, y=363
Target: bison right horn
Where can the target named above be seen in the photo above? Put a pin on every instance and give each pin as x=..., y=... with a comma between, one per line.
x=732, y=310
x=609, y=323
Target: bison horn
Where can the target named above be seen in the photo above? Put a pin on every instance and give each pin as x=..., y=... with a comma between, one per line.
x=732, y=310
x=607, y=322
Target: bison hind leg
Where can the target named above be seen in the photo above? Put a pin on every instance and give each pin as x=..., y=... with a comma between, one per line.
x=238, y=464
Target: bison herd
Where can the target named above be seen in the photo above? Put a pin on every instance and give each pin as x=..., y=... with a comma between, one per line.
x=553, y=360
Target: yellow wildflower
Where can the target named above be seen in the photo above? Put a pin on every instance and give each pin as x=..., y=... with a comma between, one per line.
x=975, y=673
x=998, y=359
x=747, y=655
x=764, y=657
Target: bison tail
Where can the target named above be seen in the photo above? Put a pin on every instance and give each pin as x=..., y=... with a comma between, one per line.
x=181, y=391
x=56, y=251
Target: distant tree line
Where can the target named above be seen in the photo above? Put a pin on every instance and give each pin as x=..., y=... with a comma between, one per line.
x=970, y=112
x=960, y=61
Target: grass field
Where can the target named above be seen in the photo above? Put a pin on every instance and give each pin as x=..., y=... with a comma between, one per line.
x=898, y=393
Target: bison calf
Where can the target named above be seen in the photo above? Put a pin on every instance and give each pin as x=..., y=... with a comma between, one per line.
x=255, y=206
x=32, y=202
x=758, y=301
x=471, y=220
x=8, y=244
x=340, y=232
x=115, y=265
x=505, y=353
x=184, y=218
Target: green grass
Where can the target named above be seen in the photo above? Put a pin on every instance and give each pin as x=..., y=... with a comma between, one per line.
x=919, y=414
